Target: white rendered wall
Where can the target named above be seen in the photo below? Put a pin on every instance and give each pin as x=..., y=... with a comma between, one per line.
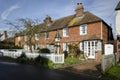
x=118, y=22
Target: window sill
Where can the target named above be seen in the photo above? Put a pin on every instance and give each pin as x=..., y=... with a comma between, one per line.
x=46, y=38
x=82, y=34
x=65, y=36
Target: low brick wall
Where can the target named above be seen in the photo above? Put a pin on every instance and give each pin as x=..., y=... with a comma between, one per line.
x=98, y=56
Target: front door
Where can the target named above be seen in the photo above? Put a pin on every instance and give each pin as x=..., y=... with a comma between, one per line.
x=91, y=49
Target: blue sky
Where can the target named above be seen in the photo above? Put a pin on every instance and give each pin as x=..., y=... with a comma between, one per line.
x=10, y=10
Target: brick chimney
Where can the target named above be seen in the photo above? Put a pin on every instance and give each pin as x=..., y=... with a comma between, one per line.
x=79, y=10
x=5, y=34
x=48, y=20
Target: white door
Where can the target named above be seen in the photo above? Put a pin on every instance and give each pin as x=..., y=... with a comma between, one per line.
x=91, y=49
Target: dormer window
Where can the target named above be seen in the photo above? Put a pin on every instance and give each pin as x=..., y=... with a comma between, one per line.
x=83, y=29
x=65, y=32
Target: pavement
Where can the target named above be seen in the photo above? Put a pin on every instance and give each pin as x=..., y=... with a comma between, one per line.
x=89, y=67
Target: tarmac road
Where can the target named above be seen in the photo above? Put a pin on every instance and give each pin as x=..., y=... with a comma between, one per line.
x=14, y=71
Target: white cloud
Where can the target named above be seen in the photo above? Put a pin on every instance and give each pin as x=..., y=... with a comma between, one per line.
x=6, y=13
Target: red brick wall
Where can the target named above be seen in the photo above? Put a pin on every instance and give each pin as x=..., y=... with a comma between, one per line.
x=118, y=49
x=16, y=41
x=21, y=42
x=105, y=32
x=98, y=56
x=74, y=35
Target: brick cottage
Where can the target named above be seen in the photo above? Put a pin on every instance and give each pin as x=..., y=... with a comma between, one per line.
x=83, y=28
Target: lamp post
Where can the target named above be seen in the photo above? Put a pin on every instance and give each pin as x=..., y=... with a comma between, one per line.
x=57, y=40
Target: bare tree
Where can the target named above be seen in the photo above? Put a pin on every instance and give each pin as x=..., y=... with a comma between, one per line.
x=26, y=27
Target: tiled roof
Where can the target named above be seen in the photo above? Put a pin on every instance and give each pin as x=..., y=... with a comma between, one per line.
x=88, y=18
x=70, y=21
x=118, y=6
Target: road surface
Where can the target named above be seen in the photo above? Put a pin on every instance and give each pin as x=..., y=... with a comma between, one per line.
x=14, y=71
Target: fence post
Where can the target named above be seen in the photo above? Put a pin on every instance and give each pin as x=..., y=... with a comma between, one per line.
x=52, y=57
x=63, y=58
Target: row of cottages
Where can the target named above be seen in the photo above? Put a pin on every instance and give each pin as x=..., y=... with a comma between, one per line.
x=117, y=9
x=83, y=28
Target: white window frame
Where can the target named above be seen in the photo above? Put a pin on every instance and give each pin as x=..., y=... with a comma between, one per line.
x=83, y=29
x=19, y=38
x=99, y=46
x=65, y=32
x=36, y=36
x=57, y=40
x=81, y=46
x=65, y=46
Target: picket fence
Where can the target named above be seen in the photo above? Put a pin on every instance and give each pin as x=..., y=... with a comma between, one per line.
x=56, y=58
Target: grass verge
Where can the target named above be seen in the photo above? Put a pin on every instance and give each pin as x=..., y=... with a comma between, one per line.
x=113, y=73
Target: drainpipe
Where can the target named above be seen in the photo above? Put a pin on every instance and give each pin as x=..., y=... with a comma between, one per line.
x=101, y=31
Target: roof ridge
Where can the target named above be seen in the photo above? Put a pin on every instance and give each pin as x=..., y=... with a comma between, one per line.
x=62, y=17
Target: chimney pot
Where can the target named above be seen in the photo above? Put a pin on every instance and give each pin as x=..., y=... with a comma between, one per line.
x=77, y=3
x=80, y=3
x=79, y=10
x=48, y=20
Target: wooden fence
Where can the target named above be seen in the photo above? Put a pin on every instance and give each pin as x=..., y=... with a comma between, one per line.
x=56, y=58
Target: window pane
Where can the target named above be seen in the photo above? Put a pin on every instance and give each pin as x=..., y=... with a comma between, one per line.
x=47, y=35
x=81, y=46
x=65, y=46
x=19, y=38
x=83, y=29
x=65, y=32
x=36, y=36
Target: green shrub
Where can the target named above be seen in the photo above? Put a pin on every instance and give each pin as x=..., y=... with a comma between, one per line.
x=17, y=47
x=44, y=50
x=65, y=53
x=72, y=50
x=50, y=64
x=22, y=58
x=113, y=73
x=45, y=62
x=38, y=59
x=8, y=59
x=8, y=45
